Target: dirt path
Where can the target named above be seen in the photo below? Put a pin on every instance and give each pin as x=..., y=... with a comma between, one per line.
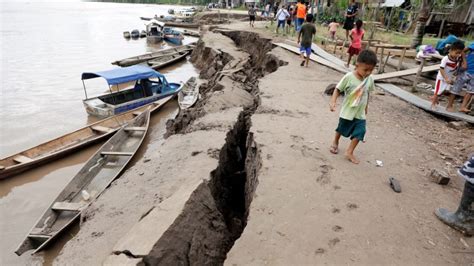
x=312, y=206
x=251, y=163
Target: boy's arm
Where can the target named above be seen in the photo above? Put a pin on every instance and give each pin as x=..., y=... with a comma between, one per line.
x=335, y=95
x=367, y=106
x=445, y=76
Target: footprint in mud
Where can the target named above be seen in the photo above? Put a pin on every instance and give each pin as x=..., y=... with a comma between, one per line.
x=97, y=234
x=325, y=177
x=351, y=206
x=336, y=187
x=296, y=138
x=333, y=242
x=307, y=151
x=319, y=251
x=337, y=228
x=336, y=210
x=303, y=113
x=269, y=156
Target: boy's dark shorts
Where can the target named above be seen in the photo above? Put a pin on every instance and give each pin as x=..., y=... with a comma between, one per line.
x=352, y=128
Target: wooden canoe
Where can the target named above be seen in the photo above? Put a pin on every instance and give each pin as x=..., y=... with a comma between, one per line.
x=189, y=95
x=70, y=142
x=181, y=24
x=150, y=56
x=167, y=60
x=94, y=177
x=191, y=33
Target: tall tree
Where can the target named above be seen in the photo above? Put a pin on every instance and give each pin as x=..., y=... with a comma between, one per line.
x=423, y=15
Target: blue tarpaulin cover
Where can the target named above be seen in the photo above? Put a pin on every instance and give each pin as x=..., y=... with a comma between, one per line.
x=124, y=74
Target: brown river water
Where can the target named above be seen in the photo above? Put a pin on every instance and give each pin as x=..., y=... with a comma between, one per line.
x=45, y=46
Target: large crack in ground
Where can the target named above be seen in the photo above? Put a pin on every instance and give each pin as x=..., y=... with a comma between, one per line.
x=216, y=214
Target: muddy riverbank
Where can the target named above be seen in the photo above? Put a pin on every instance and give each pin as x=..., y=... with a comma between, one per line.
x=245, y=176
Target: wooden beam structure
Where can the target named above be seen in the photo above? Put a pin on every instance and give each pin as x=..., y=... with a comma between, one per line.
x=424, y=104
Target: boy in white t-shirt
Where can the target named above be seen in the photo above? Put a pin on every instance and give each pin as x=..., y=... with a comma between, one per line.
x=448, y=69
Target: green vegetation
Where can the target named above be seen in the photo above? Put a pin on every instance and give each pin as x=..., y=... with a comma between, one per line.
x=384, y=36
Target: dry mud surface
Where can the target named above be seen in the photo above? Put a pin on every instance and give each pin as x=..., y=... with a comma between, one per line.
x=246, y=177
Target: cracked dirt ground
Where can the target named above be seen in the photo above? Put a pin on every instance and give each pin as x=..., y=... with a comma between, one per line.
x=305, y=205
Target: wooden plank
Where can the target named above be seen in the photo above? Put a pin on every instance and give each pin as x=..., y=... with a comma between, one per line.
x=67, y=206
x=22, y=159
x=314, y=58
x=116, y=153
x=424, y=104
x=406, y=72
x=102, y=129
x=2, y=167
x=135, y=129
x=392, y=46
x=395, y=52
x=321, y=52
x=401, y=59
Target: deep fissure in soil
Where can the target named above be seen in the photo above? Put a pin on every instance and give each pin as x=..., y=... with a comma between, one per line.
x=216, y=213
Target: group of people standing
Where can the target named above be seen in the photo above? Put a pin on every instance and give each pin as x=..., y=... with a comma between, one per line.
x=286, y=15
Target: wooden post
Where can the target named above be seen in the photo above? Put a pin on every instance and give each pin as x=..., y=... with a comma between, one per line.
x=440, y=33
x=389, y=19
x=401, y=59
x=385, y=63
x=381, y=60
x=418, y=74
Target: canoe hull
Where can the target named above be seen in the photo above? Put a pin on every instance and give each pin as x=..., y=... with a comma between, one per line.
x=69, y=143
x=178, y=40
x=158, y=64
x=150, y=56
x=189, y=95
x=11, y=171
x=88, y=184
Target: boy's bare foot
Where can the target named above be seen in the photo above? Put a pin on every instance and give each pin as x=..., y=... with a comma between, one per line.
x=334, y=149
x=352, y=158
x=464, y=110
x=434, y=107
x=450, y=109
x=302, y=63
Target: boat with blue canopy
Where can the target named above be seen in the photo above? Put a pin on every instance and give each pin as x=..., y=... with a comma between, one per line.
x=149, y=87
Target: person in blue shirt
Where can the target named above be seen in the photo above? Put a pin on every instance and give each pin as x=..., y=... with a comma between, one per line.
x=465, y=79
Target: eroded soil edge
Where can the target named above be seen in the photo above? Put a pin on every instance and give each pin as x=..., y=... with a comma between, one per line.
x=216, y=213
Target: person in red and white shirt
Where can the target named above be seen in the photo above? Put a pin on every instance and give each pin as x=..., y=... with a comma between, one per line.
x=448, y=69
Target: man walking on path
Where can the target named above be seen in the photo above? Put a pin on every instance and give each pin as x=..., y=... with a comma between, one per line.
x=281, y=17
x=252, y=13
x=300, y=14
x=351, y=13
